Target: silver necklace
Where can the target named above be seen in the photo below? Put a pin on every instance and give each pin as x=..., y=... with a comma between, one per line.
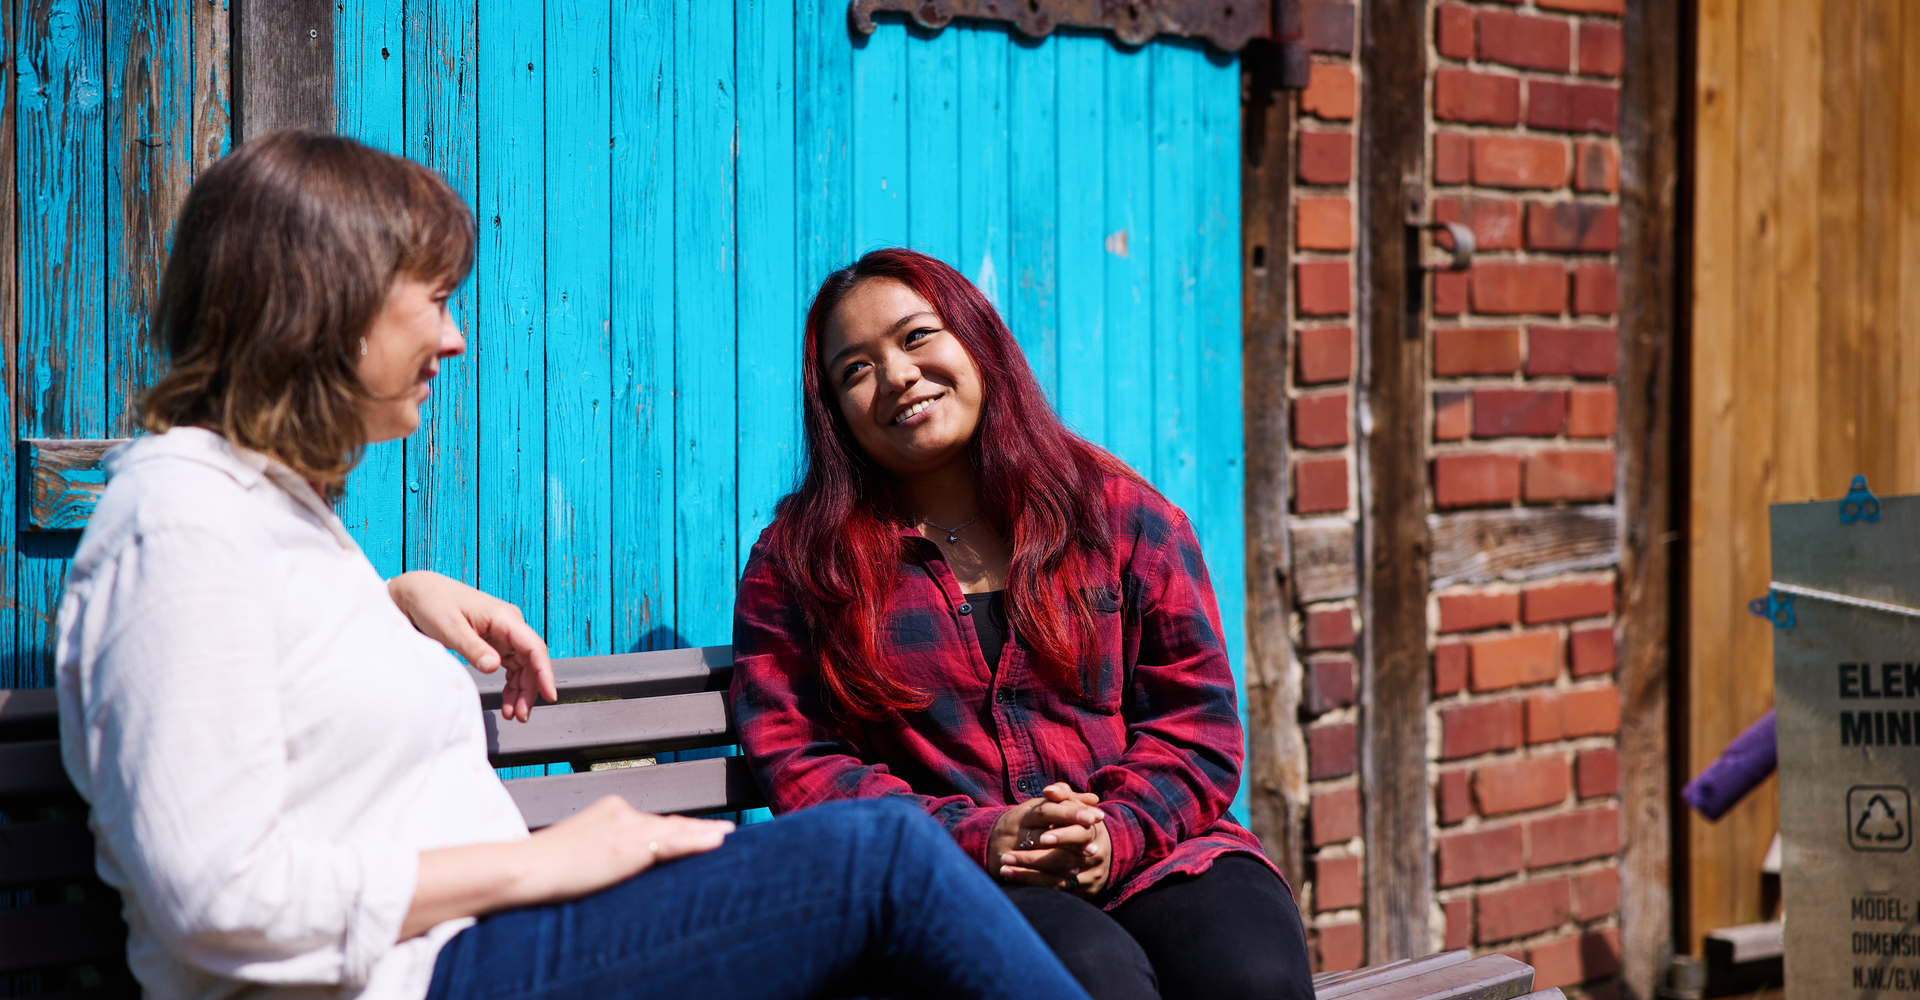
x=953, y=534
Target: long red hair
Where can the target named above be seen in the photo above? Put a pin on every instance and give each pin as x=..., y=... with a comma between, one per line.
x=836, y=541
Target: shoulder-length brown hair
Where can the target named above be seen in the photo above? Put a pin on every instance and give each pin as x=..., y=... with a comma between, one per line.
x=283, y=256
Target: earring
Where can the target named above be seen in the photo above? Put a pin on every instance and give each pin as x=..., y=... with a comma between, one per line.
x=363, y=347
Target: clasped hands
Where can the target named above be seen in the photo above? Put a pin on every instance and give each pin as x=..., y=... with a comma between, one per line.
x=1058, y=841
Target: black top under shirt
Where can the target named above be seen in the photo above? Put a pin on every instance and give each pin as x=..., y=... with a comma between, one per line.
x=990, y=624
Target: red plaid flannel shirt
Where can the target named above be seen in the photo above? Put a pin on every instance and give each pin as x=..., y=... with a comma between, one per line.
x=1159, y=739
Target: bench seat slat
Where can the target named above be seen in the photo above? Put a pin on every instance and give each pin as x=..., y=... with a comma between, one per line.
x=41, y=936
x=1489, y=977
x=50, y=851
x=1381, y=975
x=717, y=784
x=609, y=729
x=627, y=675
x=29, y=714
x=32, y=768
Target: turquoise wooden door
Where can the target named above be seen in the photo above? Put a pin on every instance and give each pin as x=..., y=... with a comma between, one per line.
x=659, y=188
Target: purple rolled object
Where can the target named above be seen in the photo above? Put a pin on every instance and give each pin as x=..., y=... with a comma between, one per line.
x=1745, y=762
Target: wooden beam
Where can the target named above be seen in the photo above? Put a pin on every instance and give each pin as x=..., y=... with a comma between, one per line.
x=1650, y=330
x=283, y=51
x=61, y=479
x=1393, y=645
x=1276, y=772
x=1522, y=543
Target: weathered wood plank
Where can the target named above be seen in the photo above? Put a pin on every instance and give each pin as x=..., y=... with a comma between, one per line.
x=644, y=422
x=440, y=503
x=1080, y=254
x=149, y=166
x=63, y=480
x=212, y=82
x=984, y=194
x=691, y=787
x=370, y=100
x=508, y=339
x=706, y=254
x=770, y=317
x=61, y=132
x=579, y=356
x=1032, y=298
x=1172, y=118
x=1325, y=562
x=879, y=93
x=933, y=144
x=1213, y=259
x=1650, y=507
x=286, y=79
x=1130, y=248
x=12, y=401
x=1276, y=776
x=1482, y=546
x=1393, y=468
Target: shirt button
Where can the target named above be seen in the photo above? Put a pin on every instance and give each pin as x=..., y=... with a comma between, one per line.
x=1027, y=785
x=966, y=609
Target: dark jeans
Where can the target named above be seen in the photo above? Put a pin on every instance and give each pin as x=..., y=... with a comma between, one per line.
x=1230, y=932
x=851, y=896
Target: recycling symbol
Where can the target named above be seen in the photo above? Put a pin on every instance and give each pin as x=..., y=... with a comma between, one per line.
x=1879, y=818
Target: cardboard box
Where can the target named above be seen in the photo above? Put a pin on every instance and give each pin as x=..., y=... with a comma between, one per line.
x=1847, y=703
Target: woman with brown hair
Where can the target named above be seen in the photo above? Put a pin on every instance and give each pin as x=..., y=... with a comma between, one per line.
x=288, y=773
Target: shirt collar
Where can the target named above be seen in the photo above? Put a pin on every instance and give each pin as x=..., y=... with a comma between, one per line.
x=247, y=467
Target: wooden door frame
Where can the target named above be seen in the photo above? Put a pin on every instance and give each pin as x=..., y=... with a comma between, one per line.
x=1276, y=771
x=1395, y=687
x=1655, y=185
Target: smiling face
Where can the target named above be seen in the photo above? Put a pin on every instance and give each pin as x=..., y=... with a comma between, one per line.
x=404, y=348
x=909, y=391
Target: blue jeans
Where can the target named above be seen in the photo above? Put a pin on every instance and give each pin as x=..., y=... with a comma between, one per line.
x=850, y=897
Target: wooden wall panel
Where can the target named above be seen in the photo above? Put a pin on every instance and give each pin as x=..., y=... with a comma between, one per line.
x=1805, y=343
x=62, y=384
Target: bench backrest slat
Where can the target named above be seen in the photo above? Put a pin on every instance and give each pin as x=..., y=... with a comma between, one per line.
x=693, y=787
x=47, y=851
x=610, y=729
x=32, y=768
x=628, y=675
x=41, y=936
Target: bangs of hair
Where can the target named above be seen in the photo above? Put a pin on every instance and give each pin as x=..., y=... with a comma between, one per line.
x=283, y=256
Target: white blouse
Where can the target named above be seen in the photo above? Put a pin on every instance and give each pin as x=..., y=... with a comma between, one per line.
x=266, y=741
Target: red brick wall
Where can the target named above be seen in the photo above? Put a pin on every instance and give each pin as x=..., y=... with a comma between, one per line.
x=1524, y=721
x=1322, y=475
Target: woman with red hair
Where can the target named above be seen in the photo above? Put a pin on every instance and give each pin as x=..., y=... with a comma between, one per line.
x=967, y=606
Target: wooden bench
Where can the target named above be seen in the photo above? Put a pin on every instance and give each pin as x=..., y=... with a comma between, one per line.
x=65, y=933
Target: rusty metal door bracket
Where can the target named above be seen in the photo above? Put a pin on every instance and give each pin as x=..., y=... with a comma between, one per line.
x=1228, y=24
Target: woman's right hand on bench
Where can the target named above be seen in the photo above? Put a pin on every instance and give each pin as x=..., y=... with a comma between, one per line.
x=603, y=844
